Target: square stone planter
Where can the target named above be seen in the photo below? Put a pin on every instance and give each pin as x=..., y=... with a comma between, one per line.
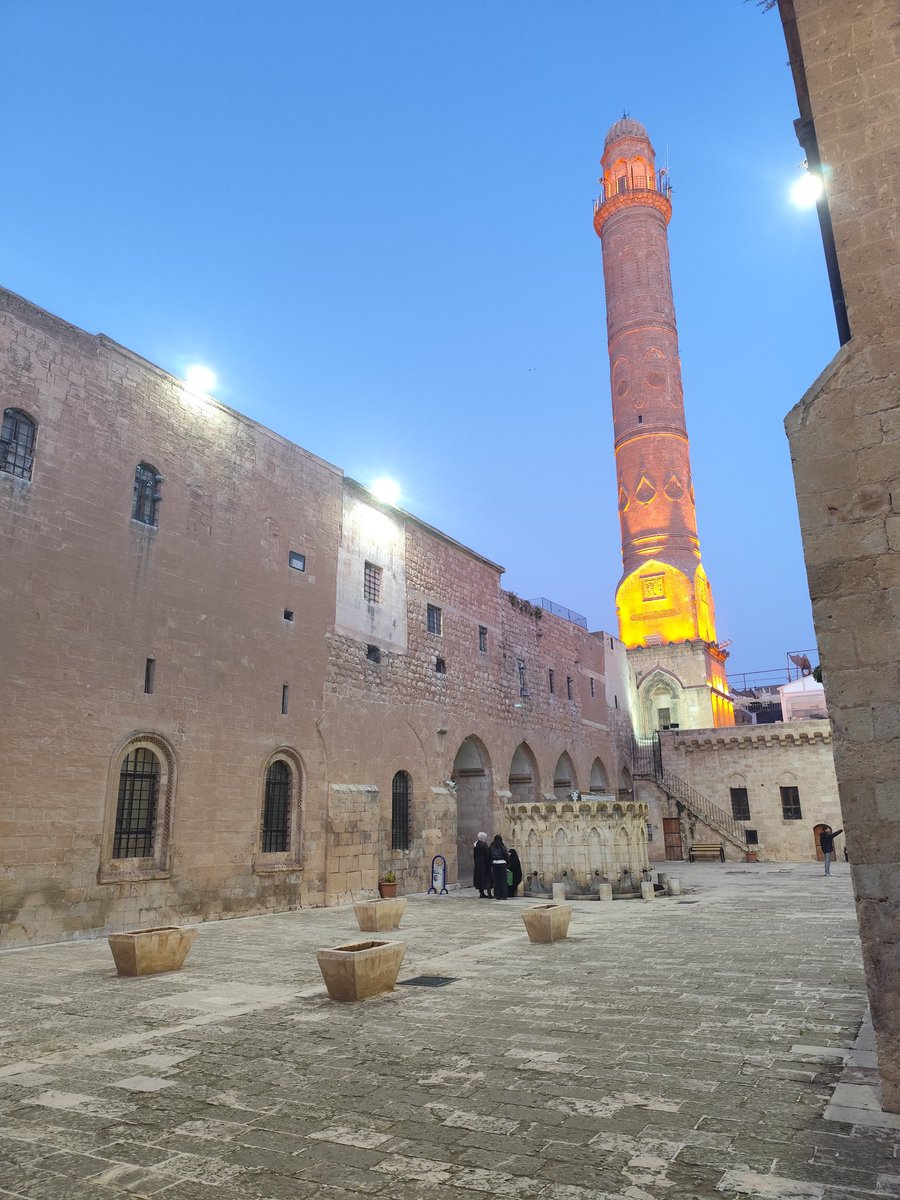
x=547, y=922
x=374, y=916
x=360, y=969
x=151, y=951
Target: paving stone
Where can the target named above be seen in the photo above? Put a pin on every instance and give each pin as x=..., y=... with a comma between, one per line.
x=701, y=1070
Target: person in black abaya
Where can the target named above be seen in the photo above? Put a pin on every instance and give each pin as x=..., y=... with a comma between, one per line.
x=516, y=868
x=482, y=875
x=499, y=866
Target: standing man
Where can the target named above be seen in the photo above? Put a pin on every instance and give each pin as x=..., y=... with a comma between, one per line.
x=826, y=841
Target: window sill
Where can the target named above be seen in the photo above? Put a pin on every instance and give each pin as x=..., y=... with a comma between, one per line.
x=277, y=866
x=135, y=870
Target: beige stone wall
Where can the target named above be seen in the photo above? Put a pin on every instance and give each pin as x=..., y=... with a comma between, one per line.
x=762, y=759
x=676, y=677
x=89, y=595
x=844, y=441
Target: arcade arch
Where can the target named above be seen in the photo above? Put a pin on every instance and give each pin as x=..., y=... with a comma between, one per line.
x=564, y=780
x=473, y=778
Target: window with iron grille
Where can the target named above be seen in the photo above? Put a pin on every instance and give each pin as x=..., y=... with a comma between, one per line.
x=372, y=583
x=17, y=443
x=146, y=494
x=790, y=804
x=482, y=638
x=740, y=804
x=751, y=837
x=435, y=620
x=276, y=822
x=400, y=797
x=136, y=809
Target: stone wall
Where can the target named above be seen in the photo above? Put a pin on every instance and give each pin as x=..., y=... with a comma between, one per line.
x=844, y=442
x=762, y=759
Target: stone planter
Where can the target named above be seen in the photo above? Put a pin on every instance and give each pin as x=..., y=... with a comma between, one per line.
x=547, y=922
x=375, y=916
x=151, y=951
x=361, y=969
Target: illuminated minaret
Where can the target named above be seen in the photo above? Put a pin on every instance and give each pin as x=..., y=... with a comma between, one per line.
x=663, y=596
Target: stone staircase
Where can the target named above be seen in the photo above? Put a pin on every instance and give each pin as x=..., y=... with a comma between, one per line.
x=647, y=764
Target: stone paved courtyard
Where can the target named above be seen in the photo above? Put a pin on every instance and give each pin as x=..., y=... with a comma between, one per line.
x=682, y=1048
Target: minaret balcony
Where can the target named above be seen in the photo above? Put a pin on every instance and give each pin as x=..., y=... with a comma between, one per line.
x=634, y=188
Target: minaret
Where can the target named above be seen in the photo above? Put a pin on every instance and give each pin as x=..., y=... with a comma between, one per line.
x=663, y=596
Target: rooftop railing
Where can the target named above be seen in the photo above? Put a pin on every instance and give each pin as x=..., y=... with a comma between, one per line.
x=634, y=181
x=558, y=610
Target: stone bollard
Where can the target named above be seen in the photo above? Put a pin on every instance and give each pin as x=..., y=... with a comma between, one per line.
x=559, y=891
x=604, y=891
x=674, y=887
x=647, y=891
x=661, y=878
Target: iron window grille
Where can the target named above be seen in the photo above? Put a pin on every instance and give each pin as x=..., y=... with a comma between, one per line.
x=740, y=804
x=276, y=823
x=435, y=620
x=400, y=795
x=790, y=804
x=482, y=639
x=372, y=583
x=17, y=443
x=136, y=809
x=145, y=507
x=751, y=836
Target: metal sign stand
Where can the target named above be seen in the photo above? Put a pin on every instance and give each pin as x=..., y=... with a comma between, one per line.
x=438, y=876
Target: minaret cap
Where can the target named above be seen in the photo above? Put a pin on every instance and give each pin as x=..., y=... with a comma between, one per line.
x=626, y=127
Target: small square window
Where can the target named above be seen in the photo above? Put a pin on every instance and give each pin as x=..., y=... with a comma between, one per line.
x=297, y=561
x=435, y=620
x=288, y=614
x=482, y=638
x=440, y=666
x=373, y=654
x=372, y=583
x=751, y=837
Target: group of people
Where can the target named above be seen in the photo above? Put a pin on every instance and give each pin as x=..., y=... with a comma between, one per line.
x=497, y=872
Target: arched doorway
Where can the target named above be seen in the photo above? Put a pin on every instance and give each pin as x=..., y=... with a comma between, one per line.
x=474, y=801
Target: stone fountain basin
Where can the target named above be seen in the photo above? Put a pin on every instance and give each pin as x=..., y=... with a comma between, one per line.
x=359, y=970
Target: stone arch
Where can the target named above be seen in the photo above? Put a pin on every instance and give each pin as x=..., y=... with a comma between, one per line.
x=524, y=776
x=661, y=699
x=473, y=778
x=564, y=777
x=599, y=777
x=625, y=781
x=160, y=767
x=621, y=377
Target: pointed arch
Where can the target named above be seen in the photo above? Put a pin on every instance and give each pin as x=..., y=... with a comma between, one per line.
x=475, y=803
x=564, y=778
x=599, y=777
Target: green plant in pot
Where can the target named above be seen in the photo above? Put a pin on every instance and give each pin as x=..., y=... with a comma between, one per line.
x=387, y=885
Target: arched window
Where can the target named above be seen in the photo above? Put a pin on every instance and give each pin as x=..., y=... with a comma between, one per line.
x=276, y=822
x=400, y=795
x=145, y=507
x=139, y=778
x=17, y=443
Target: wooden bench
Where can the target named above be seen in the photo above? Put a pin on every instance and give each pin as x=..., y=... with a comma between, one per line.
x=714, y=848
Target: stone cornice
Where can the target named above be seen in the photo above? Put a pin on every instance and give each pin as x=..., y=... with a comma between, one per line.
x=750, y=737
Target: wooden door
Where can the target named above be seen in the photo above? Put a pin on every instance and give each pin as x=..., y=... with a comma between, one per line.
x=672, y=839
x=820, y=853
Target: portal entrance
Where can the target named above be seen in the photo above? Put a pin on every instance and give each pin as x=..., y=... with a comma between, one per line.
x=474, y=802
x=672, y=839
x=820, y=853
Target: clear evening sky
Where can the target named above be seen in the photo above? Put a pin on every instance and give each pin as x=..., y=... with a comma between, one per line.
x=372, y=220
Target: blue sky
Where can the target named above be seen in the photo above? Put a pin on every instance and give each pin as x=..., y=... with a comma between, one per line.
x=372, y=219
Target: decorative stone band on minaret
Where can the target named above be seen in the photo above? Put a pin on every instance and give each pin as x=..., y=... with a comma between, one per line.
x=664, y=594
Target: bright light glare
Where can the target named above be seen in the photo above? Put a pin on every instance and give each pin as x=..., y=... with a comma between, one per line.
x=807, y=190
x=386, y=490
x=199, y=379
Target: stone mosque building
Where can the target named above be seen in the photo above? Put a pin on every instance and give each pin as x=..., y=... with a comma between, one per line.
x=236, y=682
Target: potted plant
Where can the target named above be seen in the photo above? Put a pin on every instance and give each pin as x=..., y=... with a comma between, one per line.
x=387, y=885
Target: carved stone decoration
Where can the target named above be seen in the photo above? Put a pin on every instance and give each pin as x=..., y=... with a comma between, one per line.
x=674, y=489
x=623, y=499
x=645, y=491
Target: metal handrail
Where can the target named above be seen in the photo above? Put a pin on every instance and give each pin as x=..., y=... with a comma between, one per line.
x=647, y=760
x=635, y=183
